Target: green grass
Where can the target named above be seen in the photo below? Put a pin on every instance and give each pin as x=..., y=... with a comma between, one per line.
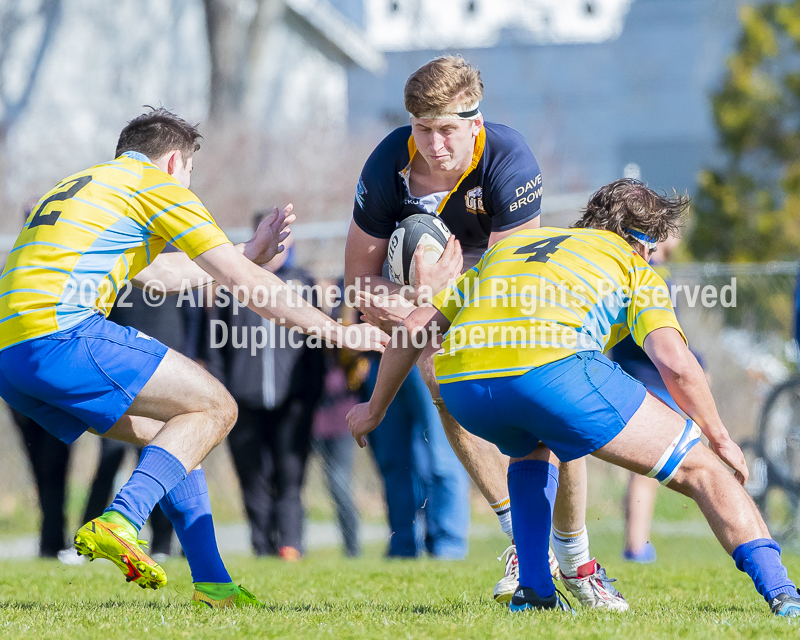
x=694, y=591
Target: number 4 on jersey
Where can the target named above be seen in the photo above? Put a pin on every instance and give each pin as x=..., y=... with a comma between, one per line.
x=541, y=250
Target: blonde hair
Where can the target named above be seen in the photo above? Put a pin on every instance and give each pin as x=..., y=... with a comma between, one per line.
x=433, y=87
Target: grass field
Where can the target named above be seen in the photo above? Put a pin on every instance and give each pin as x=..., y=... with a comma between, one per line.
x=694, y=591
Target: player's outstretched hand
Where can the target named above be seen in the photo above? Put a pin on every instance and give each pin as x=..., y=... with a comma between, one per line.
x=432, y=278
x=730, y=453
x=384, y=312
x=360, y=422
x=273, y=230
x=361, y=337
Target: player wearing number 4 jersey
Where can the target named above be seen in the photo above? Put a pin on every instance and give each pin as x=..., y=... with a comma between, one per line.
x=522, y=366
x=66, y=366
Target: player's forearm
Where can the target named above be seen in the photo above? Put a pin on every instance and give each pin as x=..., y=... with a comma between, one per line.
x=266, y=294
x=273, y=299
x=396, y=363
x=408, y=342
x=176, y=272
x=379, y=286
x=171, y=272
x=685, y=381
x=687, y=385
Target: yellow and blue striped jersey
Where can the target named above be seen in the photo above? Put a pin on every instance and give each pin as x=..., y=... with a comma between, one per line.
x=541, y=295
x=88, y=236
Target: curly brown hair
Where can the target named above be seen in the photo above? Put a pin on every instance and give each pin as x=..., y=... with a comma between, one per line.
x=630, y=204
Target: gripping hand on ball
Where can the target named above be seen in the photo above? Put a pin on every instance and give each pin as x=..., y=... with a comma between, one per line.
x=384, y=312
x=432, y=278
x=358, y=337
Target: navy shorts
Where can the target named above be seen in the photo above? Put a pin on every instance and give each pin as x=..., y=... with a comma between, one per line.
x=574, y=406
x=82, y=377
x=646, y=373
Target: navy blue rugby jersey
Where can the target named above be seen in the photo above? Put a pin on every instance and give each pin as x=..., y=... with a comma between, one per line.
x=501, y=190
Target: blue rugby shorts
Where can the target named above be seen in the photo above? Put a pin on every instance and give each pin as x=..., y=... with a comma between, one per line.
x=82, y=377
x=574, y=406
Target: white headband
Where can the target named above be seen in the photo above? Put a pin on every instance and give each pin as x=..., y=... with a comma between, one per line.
x=463, y=112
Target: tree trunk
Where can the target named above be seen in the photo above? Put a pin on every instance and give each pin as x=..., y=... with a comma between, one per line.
x=236, y=31
x=10, y=20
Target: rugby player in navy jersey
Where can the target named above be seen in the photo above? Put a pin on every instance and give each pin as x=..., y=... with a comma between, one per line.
x=483, y=181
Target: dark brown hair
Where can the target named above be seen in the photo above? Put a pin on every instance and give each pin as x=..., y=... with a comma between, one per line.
x=436, y=85
x=629, y=204
x=158, y=132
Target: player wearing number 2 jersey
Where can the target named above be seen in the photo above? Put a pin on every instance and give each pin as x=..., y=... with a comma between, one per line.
x=88, y=236
x=65, y=365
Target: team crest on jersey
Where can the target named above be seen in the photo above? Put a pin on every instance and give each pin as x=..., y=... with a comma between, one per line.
x=474, y=200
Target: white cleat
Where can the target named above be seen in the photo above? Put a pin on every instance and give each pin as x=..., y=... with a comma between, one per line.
x=504, y=590
x=594, y=588
x=555, y=571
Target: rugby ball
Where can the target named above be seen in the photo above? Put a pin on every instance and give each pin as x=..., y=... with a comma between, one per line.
x=420, y=229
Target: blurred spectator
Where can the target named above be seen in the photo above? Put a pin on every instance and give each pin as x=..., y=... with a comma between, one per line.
x=345, y=373
x=176, y=325
x=277, y=387
x=49, y=458
x=426, y=488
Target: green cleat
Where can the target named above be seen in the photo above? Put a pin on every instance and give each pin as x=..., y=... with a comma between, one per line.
x=239, y=596
x=118, y=543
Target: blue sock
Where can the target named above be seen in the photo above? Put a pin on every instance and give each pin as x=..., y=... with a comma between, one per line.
x=188, y=508
x=155, y=476
x=761, y=560
x=532, y=486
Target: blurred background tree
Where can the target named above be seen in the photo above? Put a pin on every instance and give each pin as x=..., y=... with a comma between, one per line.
x=236, y=31
x=26, y=28
x=749, y=210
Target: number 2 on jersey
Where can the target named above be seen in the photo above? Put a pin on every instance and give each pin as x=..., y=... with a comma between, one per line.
x=52, y=217
x=541, y=250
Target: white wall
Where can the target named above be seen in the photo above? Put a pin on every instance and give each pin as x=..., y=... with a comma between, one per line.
x=401, y=25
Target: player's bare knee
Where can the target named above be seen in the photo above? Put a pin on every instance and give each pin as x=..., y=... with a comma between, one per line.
x=228, y=412
x=699, y=474
x=220, y=411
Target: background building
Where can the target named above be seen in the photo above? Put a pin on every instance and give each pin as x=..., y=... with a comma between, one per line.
x=594, y=86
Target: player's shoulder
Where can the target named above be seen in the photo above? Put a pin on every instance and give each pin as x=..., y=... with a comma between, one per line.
x=604, y=239
x=616, y=248
x=503, y=140
x=392, y=150
x=119, y=177
x=593, y=244
x=121, y=170
x=511, y=243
